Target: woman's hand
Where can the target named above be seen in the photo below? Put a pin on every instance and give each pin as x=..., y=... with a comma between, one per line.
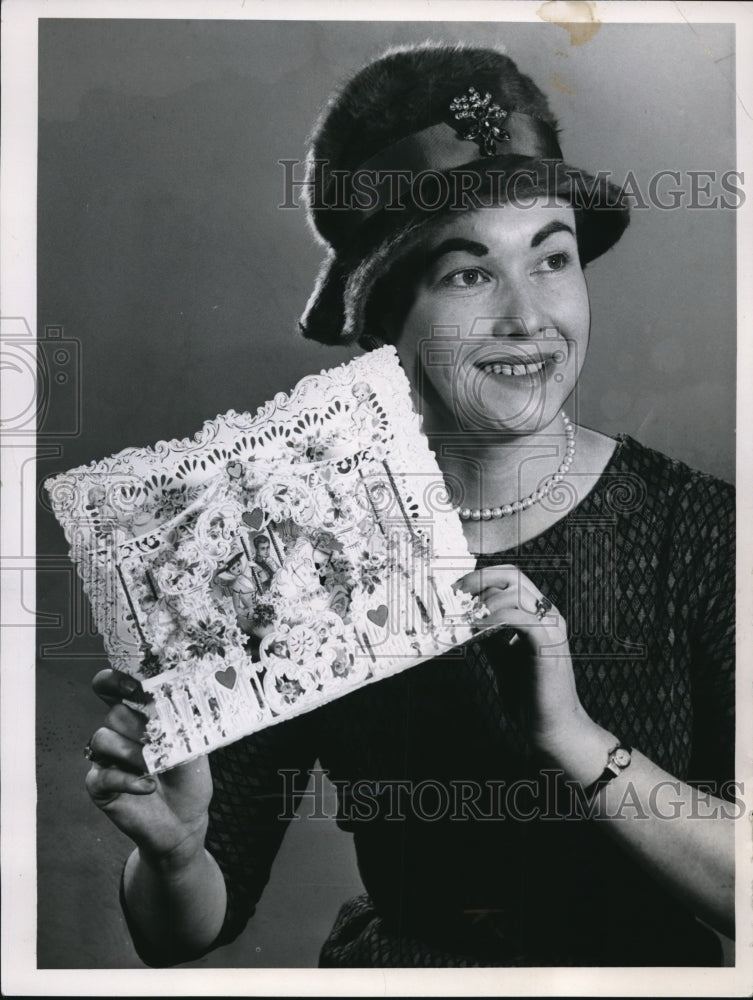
x=695, y=860
x=551, y=710
x=165, y=815
x=174, y=891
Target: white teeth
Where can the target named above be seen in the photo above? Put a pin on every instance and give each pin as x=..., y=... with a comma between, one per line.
x=506, y=369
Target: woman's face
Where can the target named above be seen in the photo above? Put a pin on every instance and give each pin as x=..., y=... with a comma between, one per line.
x=497, y=332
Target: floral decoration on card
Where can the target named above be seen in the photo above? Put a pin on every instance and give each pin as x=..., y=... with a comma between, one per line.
x=273, y=562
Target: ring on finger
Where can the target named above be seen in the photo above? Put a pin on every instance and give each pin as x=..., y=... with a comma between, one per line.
x=543, y=607
x=91, y=754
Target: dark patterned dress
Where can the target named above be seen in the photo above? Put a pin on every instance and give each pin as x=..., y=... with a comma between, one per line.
x=470, y=852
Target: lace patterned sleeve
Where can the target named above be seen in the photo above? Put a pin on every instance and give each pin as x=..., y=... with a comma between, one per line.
x=708, y=539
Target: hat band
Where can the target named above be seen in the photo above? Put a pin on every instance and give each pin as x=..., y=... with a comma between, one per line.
x=439, y=148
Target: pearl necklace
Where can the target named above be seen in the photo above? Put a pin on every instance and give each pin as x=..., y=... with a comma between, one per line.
x=492, y=513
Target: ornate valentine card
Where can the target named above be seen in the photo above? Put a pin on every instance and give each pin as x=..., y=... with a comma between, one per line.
x=273, y=562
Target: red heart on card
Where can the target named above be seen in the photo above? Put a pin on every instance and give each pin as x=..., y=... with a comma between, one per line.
x=378, y=615
x=254, y=518
x=227, y=678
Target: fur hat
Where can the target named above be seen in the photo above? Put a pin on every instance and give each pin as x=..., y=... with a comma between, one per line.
x=431, y=109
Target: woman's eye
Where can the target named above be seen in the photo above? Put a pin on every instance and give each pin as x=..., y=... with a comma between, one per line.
x=555, y=261
x=469, y=277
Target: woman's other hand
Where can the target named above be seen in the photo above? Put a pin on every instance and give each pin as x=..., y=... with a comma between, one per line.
x=165, y=815
x=551, y=710
x=173, y=890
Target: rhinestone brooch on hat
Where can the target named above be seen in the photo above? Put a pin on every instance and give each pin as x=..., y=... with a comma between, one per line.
x=484, y=119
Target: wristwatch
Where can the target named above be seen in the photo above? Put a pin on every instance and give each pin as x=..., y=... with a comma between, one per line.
x=619, y=758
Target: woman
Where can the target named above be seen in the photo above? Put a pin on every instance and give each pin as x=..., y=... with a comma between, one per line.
x=533, y=802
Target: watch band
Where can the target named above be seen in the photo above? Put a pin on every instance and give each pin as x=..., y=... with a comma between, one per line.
x=618, y=759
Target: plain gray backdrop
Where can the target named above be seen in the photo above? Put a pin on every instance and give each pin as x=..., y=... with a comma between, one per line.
x=163, y=253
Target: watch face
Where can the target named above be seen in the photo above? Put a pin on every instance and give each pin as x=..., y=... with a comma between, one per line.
x=621, y=757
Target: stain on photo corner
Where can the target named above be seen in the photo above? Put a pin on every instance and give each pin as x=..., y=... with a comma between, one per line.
x=577, y=17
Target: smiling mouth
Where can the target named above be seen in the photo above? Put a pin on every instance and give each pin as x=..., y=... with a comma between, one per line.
x=508, y=368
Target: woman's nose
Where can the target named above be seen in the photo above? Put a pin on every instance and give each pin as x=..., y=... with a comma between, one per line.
x=521, y=314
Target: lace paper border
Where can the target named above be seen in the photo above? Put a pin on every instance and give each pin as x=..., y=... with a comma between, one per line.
x=273, y=562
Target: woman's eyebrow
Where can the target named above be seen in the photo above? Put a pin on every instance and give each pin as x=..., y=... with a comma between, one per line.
x=456, y=243
x=548, y=230
x=477, y=249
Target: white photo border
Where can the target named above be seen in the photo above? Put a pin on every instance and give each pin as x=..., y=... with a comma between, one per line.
x=20, y=977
